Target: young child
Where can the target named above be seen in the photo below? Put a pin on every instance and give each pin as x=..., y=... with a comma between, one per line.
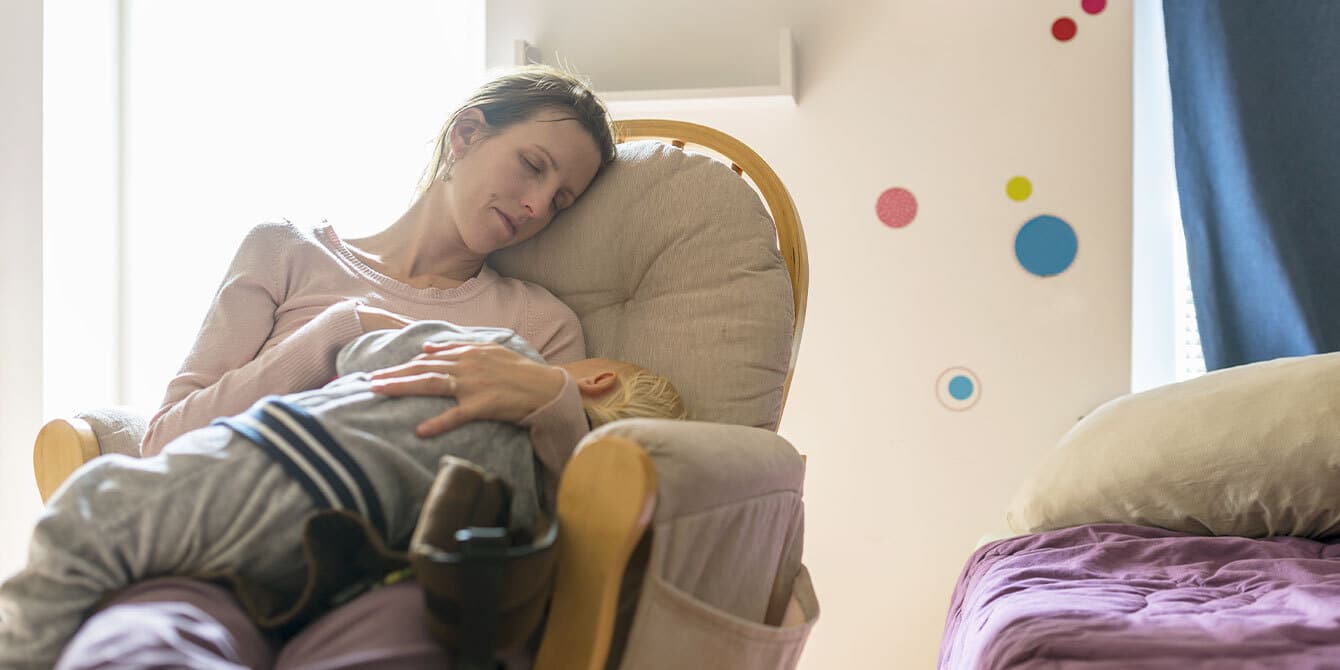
x=232, y=497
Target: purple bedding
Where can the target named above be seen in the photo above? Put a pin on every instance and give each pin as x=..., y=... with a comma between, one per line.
x=1115, y=596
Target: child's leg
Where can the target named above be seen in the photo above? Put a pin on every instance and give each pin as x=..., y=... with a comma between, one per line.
x=211, y=502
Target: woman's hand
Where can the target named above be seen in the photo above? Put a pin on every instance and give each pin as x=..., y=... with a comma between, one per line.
x=375, y=318
x=489, y=381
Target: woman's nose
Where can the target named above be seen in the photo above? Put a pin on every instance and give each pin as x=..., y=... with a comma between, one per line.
x=537, y=204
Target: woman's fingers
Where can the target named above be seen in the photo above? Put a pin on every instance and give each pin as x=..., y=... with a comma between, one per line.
x=376, y=318
x=434, y=347
x=431, y=383
x=417, y=366
x=444, y=422
x=489, y=381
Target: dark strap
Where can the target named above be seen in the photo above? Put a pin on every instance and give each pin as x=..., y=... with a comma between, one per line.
x=484, y=554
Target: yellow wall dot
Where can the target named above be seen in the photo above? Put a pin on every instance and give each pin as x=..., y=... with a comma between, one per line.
x=1019, y=188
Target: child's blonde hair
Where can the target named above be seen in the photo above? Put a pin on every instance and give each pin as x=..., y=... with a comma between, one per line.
x=640, y=393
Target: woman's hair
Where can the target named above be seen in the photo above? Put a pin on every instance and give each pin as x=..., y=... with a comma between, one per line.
x=640, y=393
x=517, y=96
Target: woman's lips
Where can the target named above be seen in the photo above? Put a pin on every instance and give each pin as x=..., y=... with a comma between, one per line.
x=507, y=221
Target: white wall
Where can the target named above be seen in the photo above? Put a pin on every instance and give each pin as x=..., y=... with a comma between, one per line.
x=948, y=100
x=641, y=45
x=21, y=271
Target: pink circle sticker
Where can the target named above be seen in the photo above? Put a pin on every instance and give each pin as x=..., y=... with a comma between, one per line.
x=1093, y=6
x=896, y=207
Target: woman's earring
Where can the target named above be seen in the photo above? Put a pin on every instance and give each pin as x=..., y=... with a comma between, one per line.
x=446, y=174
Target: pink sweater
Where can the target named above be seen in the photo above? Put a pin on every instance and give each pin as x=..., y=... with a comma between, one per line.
x=286, y=307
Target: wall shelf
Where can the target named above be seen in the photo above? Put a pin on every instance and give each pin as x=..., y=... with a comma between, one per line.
x=623, y=102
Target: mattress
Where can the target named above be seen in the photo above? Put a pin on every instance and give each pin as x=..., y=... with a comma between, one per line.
x=1108, y=596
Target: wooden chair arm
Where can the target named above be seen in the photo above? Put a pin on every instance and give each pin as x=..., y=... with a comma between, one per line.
x=61, y=447
x=605, y=504
x=607, y=499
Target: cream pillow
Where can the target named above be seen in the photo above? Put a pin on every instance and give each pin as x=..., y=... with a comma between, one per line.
x=1251, y=451
x=670, y=261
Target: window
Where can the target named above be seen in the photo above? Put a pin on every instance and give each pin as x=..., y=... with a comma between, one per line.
x=1165, y=344
x=1190, y=360
x=79, y=205
x=218, y=116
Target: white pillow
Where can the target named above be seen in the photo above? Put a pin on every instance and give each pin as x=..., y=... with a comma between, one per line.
x=1251, y=451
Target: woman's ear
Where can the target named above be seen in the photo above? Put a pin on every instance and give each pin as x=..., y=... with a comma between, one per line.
x=468, y=130
x=598, y=384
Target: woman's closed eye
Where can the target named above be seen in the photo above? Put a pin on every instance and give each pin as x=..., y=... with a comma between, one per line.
x=556, y=205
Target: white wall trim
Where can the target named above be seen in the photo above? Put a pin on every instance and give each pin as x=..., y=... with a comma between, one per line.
x=121, y=289
x=21, y=273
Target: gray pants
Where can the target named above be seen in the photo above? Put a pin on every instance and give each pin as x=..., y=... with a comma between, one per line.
x=208, y=504
x=213, y=501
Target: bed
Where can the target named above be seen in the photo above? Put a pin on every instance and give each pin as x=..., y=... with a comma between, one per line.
x=1191, y=526
x=1125, y=596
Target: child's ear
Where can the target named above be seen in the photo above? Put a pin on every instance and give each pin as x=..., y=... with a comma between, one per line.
x=598, y=384
x=467, y=130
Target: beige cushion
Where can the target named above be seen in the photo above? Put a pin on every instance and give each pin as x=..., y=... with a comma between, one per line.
x=670, y=260
x=118, y=429
x=1250, y=451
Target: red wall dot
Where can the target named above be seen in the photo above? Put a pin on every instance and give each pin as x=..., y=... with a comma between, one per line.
x=1064, y=29
x=896, y=207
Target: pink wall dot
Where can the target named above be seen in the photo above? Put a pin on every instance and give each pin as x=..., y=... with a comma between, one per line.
x=896, y=207
x=1064, y=29
x=1093, y=6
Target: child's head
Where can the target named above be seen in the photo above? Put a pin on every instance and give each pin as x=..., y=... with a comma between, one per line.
x=619, y=390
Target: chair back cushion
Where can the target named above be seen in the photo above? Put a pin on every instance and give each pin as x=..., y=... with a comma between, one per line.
x=670, y=261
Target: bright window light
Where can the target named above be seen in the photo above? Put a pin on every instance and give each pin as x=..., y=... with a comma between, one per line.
x=233, y=113
x=1165, y=343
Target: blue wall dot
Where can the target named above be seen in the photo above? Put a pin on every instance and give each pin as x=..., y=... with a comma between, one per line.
x=960, y=387
x=1046, y=245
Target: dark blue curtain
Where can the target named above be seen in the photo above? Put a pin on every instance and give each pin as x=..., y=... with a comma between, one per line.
x=1256, y=130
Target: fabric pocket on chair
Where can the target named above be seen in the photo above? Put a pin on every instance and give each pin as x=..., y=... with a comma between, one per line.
x=675, y=630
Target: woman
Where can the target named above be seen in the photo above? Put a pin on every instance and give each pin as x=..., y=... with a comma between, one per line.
x=519, y=150
x=522, y=148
